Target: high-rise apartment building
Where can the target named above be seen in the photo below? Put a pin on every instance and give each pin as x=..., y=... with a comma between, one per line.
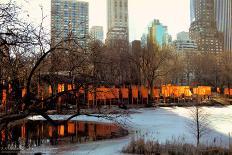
x=69, y=17
x=117, y=22
x=223, y=11
x=203, y=28
x=96, y=32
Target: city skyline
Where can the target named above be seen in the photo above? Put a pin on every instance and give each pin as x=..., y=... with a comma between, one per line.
x=177, y=18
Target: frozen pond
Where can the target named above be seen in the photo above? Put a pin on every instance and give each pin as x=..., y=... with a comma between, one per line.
x=161, y=124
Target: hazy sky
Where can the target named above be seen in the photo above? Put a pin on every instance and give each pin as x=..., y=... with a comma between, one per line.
x=172, y=13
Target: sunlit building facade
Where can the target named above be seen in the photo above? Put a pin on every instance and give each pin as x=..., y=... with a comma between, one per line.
x=118, y=24
x=203, y=27
x=157, y=34
x=69, y=17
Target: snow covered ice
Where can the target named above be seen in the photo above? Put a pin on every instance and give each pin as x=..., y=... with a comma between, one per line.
x=160, y=124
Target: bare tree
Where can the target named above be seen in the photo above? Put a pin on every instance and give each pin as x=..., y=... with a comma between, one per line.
x=30, y=54
x=153, y=63
x=198, y=124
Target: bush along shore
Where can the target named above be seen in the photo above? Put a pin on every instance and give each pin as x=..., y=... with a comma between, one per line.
x=153, y=147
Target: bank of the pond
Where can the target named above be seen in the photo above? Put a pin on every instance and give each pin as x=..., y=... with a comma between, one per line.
x=38, y=133
x=161, y=124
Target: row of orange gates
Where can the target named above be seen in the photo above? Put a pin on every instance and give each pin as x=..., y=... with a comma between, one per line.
x=134, y=92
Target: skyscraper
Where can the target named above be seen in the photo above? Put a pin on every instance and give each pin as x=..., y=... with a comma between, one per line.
x=203, y=27
x=223, y=11
x=96, y=33
x=69, y=17
x=117, y=22
x=157, y=33
x=192, y=10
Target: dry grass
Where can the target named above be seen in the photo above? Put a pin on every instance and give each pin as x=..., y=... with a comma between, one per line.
x=152, y=147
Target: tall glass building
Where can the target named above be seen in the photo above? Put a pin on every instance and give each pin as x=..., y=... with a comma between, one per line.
x=223, y=11
x=69, y=17
x=157, y=33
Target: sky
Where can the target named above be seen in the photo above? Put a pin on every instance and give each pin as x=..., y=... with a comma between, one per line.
x=173, y=13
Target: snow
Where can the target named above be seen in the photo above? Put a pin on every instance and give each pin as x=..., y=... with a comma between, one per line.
x=160, y=124
x=78, y=118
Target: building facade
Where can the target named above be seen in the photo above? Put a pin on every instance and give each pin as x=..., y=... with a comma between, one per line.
x=182, y=36
x=69, y=17
x=96, y=33
x=158, y=34
x=117, y=24
x=203, y=29
x=184, y=43
x=223, y=12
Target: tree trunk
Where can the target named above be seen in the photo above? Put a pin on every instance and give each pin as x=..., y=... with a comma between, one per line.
x=152, y=90
x=198, y=126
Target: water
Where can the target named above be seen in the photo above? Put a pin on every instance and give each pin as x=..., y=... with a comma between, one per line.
x=31, y=134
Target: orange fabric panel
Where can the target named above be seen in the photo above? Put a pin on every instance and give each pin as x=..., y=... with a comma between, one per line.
x=61, y=130
x=195, y=90
x=125, y=92
x=226, y=91
x=81, y=126
x=60, y=88
x=175, y=91
x=115, y=93
x=135, y=92
x=202, y=90
x=156, y=93
x=207, y=90
x=91, y=130
x=71, y=128
x=24, y=91
x=49, y=89
x=4, y=96
x=165, y=91
x=23, y=131
x=144, y=92
x=188, y=92
x=218, y=90
x=50, y=131
x=69, y=87
x=100, y=94
x=108, y=93
x=3, y=135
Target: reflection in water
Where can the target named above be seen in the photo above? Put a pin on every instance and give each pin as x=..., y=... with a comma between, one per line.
x=35, y=133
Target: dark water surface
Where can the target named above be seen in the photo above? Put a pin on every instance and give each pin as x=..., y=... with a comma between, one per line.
x=35, y=133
